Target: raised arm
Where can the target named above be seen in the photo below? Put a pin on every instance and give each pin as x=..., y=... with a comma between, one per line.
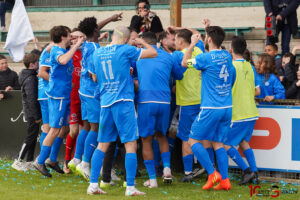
x=65, y=58
x=113, y=18
x=149, y=51
x=188, y=54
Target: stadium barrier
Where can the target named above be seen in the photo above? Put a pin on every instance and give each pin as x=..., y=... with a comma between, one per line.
x=275, y=140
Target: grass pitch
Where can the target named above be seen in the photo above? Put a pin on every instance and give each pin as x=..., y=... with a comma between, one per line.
x=31, y=185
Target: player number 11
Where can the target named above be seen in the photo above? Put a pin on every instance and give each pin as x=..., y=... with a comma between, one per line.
x=110, y=72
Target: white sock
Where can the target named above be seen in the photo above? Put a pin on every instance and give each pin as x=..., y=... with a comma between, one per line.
x=77, y=161
x=130, y=187
x=94, y=185
x=167, y=170
x=153, y=182
x=187, y=173
x=85, y=164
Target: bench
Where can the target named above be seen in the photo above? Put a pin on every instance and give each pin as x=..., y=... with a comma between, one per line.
x=238, y=31
x=45, y=34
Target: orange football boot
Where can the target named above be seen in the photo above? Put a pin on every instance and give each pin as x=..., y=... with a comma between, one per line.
x=223, y=185
x=212, y=179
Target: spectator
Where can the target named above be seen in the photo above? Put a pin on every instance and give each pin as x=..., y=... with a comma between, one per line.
x=29, y=87
x=270, y=86
x=291, y=68
x=8, y=78
x=248, y=57
x=293, y=92
x=4, y=6
x=272, y=50
x=145, y=20
x=286, y=17
x=285, y=70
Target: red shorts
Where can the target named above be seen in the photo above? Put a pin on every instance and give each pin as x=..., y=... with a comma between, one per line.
x=75, y=115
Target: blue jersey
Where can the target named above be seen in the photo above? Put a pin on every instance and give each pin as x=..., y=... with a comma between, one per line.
x=112, y=65
x=60, y=81
x=218, y=75
x=87, y=85
x=43, y=84
x=270, y=87
x=154, y=75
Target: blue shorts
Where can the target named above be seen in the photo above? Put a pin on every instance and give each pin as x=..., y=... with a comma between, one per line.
x=239, y=131
x=59, y=110
x=83, y=107
x=187, y=115
x=92, y=106
x=45, y=111
x=153, y=117
x=118, y=118
x=212, y=125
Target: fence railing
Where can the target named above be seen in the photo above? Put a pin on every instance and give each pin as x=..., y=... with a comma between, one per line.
x=67, y=3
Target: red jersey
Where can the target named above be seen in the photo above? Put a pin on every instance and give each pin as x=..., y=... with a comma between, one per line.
x=77, y=69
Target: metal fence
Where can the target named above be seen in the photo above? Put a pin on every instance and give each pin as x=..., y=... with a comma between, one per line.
x=67, y=3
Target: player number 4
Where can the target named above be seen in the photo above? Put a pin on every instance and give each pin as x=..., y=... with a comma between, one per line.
x=110, y=72
x=224, y=73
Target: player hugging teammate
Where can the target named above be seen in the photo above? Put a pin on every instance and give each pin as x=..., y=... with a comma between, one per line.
x=215, y=90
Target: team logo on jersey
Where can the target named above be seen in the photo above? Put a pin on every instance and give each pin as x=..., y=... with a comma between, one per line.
x=267, y=83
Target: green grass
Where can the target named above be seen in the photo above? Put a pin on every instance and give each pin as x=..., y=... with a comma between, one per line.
x=31, y=185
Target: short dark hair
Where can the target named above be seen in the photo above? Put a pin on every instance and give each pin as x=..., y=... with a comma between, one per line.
x=88, y=26
x=36, y=51
x=217, y=34
x=2, y=57
x=185, y=34
x=238, y=45
x=142, y=1
x=59, y=31
x=30, y=58
x=149, y=37
x=273, y=45
x=287, y=55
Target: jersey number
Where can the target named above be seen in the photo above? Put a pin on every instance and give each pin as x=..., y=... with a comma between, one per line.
x=110, y=72
x=224, y=73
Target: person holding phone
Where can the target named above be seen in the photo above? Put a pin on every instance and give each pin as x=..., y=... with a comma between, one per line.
x=145, y=20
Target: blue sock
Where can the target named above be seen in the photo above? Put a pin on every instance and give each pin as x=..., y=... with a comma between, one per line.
x=171, y=143
x=55, y=149
x=90, y=146
x=211, y=154
x=150, y=168
x=166, y=159
x=188, y=163
x=156, y=152
x=42, y=137
x=97, y=161
x=237, y=158
x=222, y=160
x=203, y=157
x=130, y=166
x=45, y=151
x=80, y=144
x=251, y=159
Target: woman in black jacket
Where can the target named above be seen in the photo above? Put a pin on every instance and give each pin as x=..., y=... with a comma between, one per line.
x=293, y=92
x=145, y=20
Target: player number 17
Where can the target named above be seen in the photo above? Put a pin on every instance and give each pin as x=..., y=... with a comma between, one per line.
x=110, y=72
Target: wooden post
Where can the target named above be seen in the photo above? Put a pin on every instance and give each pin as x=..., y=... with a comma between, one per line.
x=175, y=12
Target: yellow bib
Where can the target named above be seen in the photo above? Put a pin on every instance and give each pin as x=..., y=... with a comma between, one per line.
x=188, y=89
x=243, y=92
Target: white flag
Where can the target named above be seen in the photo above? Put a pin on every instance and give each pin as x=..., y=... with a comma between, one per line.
x=19, y=33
